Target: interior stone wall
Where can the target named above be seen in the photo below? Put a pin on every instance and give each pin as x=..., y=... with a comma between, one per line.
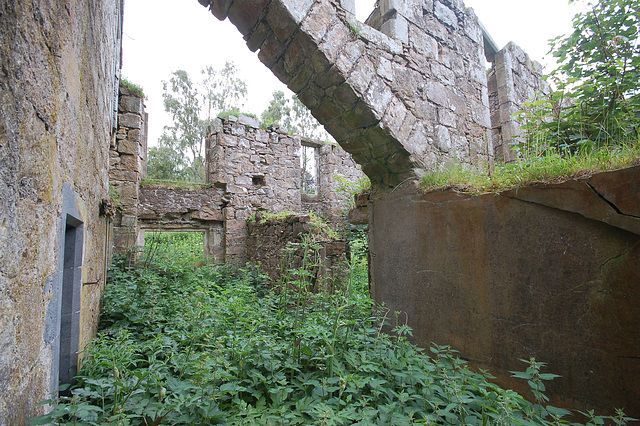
x=260, y=169
x=548, y=271
x=58, y=76
x=282, y=244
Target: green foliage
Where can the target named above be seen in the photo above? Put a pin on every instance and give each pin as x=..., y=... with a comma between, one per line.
x=193, y=106
x=180, y=344
x=134, y=88
x=165, y=163
x=541, y=169
x=294, y=116
x=350, y=189
x=597, y=99
x=234, y=112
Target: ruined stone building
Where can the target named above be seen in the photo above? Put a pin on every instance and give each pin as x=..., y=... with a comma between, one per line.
x=248, y=169
x=547, y=271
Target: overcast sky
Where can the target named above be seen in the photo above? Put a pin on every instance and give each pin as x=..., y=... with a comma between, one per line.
x=161, y=36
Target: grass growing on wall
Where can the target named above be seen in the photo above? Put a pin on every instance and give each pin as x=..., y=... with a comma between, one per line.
x=185, y=345
x=551, y=167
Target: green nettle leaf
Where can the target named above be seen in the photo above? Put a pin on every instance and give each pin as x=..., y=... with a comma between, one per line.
x=180, y=344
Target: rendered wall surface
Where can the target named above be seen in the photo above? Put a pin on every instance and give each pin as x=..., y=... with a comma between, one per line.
x=58, y=63
x=549, y=271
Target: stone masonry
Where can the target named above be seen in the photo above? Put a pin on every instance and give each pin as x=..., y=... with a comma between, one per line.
x=248, y=169
x=396, y=103
x=514, y=79
x=127, y=162
x=59, y=63
x=409, y=90
x=260, y=169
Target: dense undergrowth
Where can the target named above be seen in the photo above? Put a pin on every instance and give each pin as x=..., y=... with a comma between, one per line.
x=185, y=342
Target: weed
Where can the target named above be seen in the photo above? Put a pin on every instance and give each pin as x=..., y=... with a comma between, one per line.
x=179, y=344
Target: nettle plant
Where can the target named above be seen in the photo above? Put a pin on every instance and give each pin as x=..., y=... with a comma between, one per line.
x=596, y=101
x=180, y=344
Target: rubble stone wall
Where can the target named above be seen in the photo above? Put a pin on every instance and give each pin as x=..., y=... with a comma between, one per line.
x=167, y=208
x=260, y=169
x=396, y=103
x=336, y=171
x=280, y=245
x=58, y=79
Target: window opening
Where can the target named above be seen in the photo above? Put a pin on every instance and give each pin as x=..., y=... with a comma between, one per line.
x=186, y=245
x=309, y=165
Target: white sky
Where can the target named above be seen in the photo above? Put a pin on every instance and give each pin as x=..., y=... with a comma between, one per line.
x=161, y=36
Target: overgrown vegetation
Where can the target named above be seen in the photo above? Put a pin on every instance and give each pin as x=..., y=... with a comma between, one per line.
x=185, y=344
x=547, y=168
x=590, y=119
x=134, y=88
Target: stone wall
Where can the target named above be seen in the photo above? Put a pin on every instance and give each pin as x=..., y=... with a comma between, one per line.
x=335, y=168
x=260, y=169
x=396, y=103
x=549, y=271
x=282, y=244
x=168, y=208
x=514, y=79
x=58, y=76
x=127, y=165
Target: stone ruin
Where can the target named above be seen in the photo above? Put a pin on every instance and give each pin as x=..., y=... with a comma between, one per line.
x=549, y=271
x=247, y=169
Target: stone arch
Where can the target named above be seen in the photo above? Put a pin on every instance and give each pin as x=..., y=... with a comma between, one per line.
x=390, y=102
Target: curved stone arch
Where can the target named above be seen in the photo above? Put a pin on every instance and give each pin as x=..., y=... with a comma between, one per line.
x=359, y=83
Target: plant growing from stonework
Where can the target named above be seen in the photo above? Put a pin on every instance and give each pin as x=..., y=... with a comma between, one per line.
x=597, y=84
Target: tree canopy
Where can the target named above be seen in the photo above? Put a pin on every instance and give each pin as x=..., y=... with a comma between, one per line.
x=193, y=106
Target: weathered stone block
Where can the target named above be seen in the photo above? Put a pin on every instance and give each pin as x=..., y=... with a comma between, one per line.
x=128, y=147
x=397, y=28
x=131, y=104
x=132, y=121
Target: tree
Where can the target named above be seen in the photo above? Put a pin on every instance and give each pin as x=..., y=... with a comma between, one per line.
x=294, y=116
x=598, y=80
x=193, y=106
x=164, y=163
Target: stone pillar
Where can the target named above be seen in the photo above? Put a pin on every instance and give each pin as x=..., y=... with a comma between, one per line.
x=395, y=24
x=127, y=159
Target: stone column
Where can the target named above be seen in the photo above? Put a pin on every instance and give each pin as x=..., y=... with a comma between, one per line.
x=395, y=24
x=126, y=165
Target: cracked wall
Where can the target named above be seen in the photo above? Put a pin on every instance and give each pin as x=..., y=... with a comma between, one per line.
x=549, y=271
x=58, y=68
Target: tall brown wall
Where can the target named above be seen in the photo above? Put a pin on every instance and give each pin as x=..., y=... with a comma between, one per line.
x=58, y=63
x=549, y=271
